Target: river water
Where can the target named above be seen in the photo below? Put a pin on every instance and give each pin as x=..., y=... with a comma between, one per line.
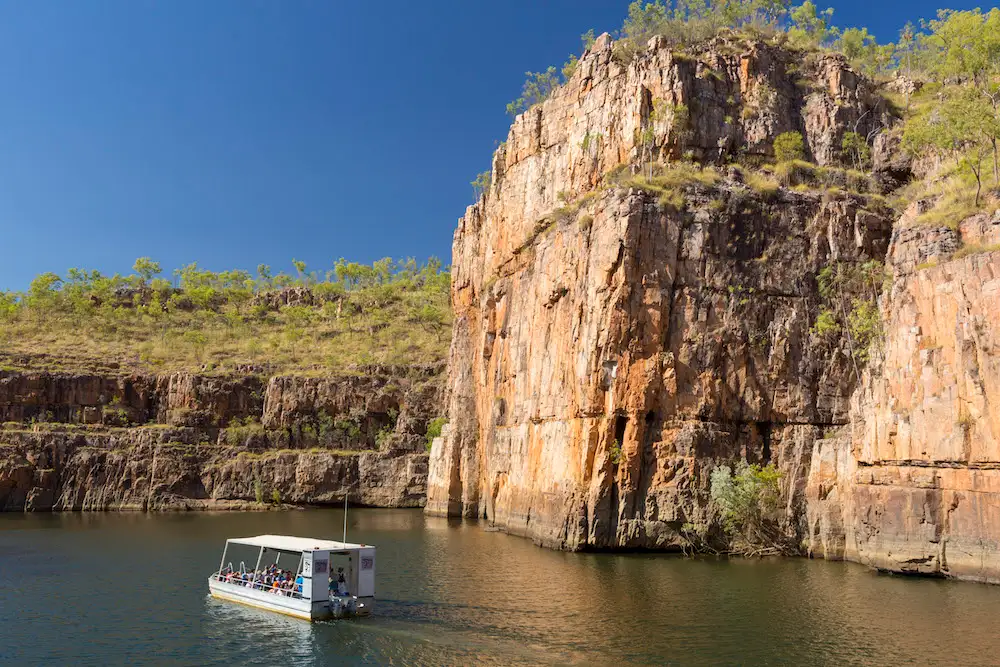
x=131, y=588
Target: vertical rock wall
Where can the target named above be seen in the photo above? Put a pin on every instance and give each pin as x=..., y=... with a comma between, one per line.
x=607, y=354
x=86, y=442
x=914, y=485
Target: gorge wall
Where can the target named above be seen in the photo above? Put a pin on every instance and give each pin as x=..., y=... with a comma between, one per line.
x=146, y=442
x=914, y=484
x=611, y=349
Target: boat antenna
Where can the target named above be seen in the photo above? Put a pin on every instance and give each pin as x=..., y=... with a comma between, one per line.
x=344, y=541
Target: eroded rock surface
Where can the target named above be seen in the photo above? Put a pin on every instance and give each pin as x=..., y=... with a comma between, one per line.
x=914, y=485
x=610, y=350
x=75, y=442
x=677, y=336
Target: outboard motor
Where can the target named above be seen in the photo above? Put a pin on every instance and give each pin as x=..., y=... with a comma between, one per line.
x=336, y=607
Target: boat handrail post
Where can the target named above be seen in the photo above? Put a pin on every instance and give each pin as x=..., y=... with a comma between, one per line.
x=259, y=557
x=222, y=563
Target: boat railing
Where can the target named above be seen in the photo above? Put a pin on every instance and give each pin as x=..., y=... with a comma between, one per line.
x=260, y=586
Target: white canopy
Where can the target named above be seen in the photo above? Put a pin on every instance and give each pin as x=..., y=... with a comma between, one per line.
x=289, y=543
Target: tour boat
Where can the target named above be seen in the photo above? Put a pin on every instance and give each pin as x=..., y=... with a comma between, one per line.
x=331, y=580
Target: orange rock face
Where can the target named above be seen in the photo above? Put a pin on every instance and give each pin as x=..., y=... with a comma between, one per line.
x=916, y=488
x=608, y=352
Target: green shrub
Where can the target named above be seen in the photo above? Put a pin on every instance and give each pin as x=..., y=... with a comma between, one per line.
x=276, y=497
x=383, y=436
x=434, y=428
x=239, y=431
x=748, y=503
x=789, y=146
x=538, y=87
x=349, y=428
x=865, y=323
x=857, y=149
x=615, y=452
x=481, y=185
x=826, y=323
x=850, y=293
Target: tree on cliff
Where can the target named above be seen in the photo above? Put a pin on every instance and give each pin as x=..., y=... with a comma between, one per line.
x=538, y=86
x=961, y=127
x=809, y=26
x=965, y=46
x=481, y=185
x=146, y=269
x=748, y=502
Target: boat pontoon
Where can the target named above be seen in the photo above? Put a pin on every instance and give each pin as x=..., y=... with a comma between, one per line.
x=331, y=580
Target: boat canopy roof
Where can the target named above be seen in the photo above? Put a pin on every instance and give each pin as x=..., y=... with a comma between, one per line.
x=290, y=543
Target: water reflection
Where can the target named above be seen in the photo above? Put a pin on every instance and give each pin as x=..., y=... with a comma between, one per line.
x=240, y=631
x=115, y=588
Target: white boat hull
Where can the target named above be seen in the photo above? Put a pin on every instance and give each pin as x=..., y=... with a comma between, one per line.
x=295, y=607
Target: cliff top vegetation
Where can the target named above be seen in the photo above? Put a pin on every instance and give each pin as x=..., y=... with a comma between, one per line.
x=389, y=312
x=942, y=77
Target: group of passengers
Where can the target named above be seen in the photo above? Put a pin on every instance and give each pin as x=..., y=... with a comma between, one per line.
x=270, y=579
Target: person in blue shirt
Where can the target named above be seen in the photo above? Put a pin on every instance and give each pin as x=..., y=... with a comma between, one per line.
x=298, y=584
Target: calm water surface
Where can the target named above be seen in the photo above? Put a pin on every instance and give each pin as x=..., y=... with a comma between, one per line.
x=131, y=588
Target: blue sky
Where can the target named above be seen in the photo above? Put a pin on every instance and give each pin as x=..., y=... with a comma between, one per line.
x=235, y=132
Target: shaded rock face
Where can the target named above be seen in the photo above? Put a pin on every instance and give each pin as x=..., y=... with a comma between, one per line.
x=194, y=442
x=914, y=485
x=154, y=469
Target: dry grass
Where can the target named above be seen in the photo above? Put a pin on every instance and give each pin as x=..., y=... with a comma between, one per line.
x=918, y=102
x=670, y=180
x=407, y=326
x=802, y=173
x=974, y=249
x=761, y=183
x=954, y=199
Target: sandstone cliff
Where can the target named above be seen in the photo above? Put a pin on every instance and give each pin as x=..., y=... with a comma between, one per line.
x=610, y=349
x=72, y=442
x=914, y=484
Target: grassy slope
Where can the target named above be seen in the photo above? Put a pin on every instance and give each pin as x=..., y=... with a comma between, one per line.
x=401, y=325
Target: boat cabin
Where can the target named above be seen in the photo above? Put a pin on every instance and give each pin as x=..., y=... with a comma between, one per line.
x=298, y=576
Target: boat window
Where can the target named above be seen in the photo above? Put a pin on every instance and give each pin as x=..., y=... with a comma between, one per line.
x=262, y=569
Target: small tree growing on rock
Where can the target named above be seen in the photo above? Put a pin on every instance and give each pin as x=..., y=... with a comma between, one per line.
x=147, y=269
x=538, y=87
x=749, y=502
x=789, y=146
